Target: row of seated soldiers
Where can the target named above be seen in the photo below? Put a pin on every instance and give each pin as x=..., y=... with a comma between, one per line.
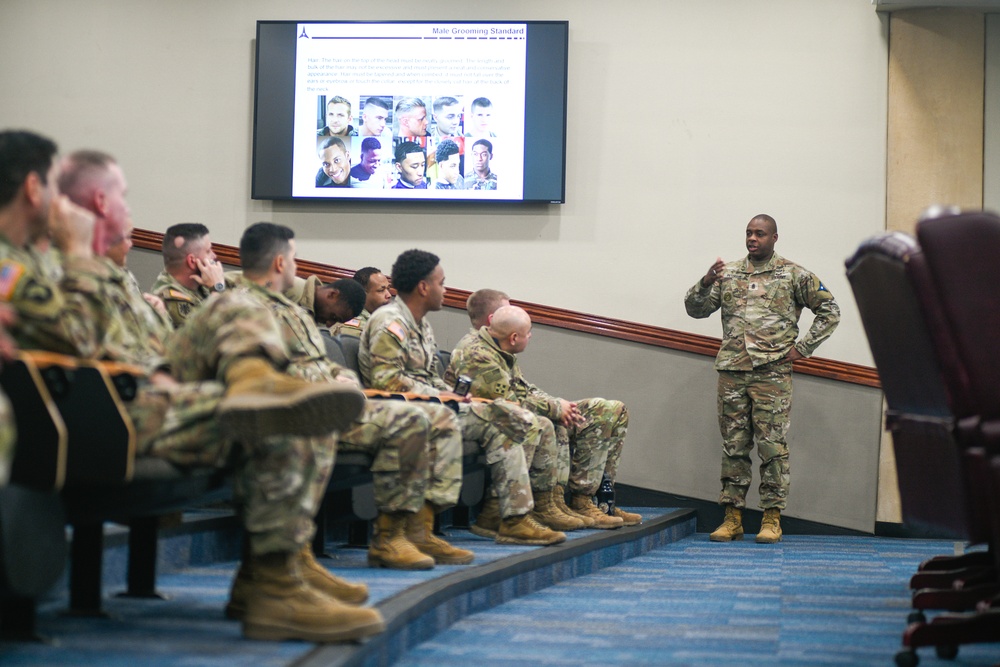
x=234, y=373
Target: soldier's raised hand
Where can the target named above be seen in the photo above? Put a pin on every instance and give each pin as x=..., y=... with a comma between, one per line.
x=714, y=272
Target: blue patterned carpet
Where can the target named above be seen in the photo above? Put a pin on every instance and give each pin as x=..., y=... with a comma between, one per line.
x=806, y=601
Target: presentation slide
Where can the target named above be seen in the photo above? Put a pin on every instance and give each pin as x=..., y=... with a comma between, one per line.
x=409, y=111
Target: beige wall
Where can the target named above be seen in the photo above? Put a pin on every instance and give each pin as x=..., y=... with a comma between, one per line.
x=685, y=119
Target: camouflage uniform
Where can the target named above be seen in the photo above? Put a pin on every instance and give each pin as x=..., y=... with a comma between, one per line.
x=353, y=328
x=413, y=460
x=8, y=438
x=596, y=447
x=760, y=314
x=397, y=354
x=177, y=422
x=179, y=300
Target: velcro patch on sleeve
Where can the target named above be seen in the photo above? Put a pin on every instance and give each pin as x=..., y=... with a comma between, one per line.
x=10, y=274
x=397, y=330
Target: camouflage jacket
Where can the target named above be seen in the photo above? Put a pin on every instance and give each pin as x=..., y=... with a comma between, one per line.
x=761, y=309
x=128, y=329
x=49, y=317
x=495, y=374
x=353, y=327
x=178, y=299
x=302, y=337
x=397, y=354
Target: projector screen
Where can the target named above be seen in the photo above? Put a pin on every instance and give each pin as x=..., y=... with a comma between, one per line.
x=410, y=111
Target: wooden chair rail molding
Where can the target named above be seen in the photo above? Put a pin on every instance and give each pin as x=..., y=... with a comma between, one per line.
x=568, y=319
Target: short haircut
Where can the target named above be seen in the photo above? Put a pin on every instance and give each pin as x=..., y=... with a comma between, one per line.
x=189, y=231
x=362, y=276
x=445, y=150
x=376, y=102
x=351, y=293
x=766, y=218
x=408, y=104
x=333, y=141
x=23, y=153
x=80, y=170
x=261, y=243
x=481, y=102
x=483, y=303
x=370, y=144
x=407, y=147
x=411, y=267
x=443, y=102
x=484, y=142
x=337, y=99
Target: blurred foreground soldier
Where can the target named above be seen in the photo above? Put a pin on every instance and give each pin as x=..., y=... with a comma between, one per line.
x=395, y=433
x=377, y=294
x=8, y=427
x=593, y=429
x=398, y=353
x=202, y=422
x=130, y=324
x=191, y=271
x=762, y=297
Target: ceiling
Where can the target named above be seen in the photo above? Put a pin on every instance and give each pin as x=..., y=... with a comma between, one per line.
x=894, y=5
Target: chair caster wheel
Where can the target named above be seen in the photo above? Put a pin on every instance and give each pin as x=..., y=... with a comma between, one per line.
x=946, y=651
x=916, y=617
x=907, y=659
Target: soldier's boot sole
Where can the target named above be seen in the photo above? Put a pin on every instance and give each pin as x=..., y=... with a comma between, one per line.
x=725, y=537
x=768, y=537
x=314, y=410
x=365, y=623
x=482, y=531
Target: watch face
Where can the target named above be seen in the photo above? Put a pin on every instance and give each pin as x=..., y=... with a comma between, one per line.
x=219, y=287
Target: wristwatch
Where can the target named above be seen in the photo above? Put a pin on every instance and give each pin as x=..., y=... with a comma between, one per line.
x=220, y=287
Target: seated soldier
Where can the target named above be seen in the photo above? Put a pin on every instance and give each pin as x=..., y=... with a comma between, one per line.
x=241, y=398
x=377, y=294
x=409, y=486
x=8, y=428
x=592, y=429
x=191, y=271
x=330, y=304
x=398, y=353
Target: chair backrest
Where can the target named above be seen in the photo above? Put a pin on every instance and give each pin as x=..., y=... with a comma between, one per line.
x=894, y=324
x=963, y=257
x=444, y=358
x=334, y=351
x=351, y=345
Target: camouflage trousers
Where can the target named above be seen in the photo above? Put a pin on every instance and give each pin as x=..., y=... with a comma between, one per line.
x=394, y=433
x=444, y=449
x=8, y=438
x=521, y=451
x=278, y=481
x=595, y=447
x=754, y=406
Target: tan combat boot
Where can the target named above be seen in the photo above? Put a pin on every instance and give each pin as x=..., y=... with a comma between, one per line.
x=390, y=548
x=314, y=574
x=280, y=605
x=628, y=518
x=525, y=530
x=261, y=402
x=559, y=494
x=327, y=582
x=731, y=528
x=547, y=513
x=770, y=527
x=488, y=520
x=420, y=531
x=585, y=505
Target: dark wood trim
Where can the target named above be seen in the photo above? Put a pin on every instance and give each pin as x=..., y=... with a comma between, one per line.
x=572, y=320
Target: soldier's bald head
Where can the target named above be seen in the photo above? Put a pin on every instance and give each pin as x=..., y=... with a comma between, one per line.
x=767, y=220
x=508, y=320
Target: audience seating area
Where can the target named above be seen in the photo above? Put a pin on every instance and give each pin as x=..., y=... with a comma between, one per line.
x=75, y=465
x=932, y=316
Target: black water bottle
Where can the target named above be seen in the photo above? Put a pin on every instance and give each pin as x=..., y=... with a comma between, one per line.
x=606, y=496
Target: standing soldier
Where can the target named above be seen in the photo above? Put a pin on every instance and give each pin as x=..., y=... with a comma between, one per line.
x=761, y=297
